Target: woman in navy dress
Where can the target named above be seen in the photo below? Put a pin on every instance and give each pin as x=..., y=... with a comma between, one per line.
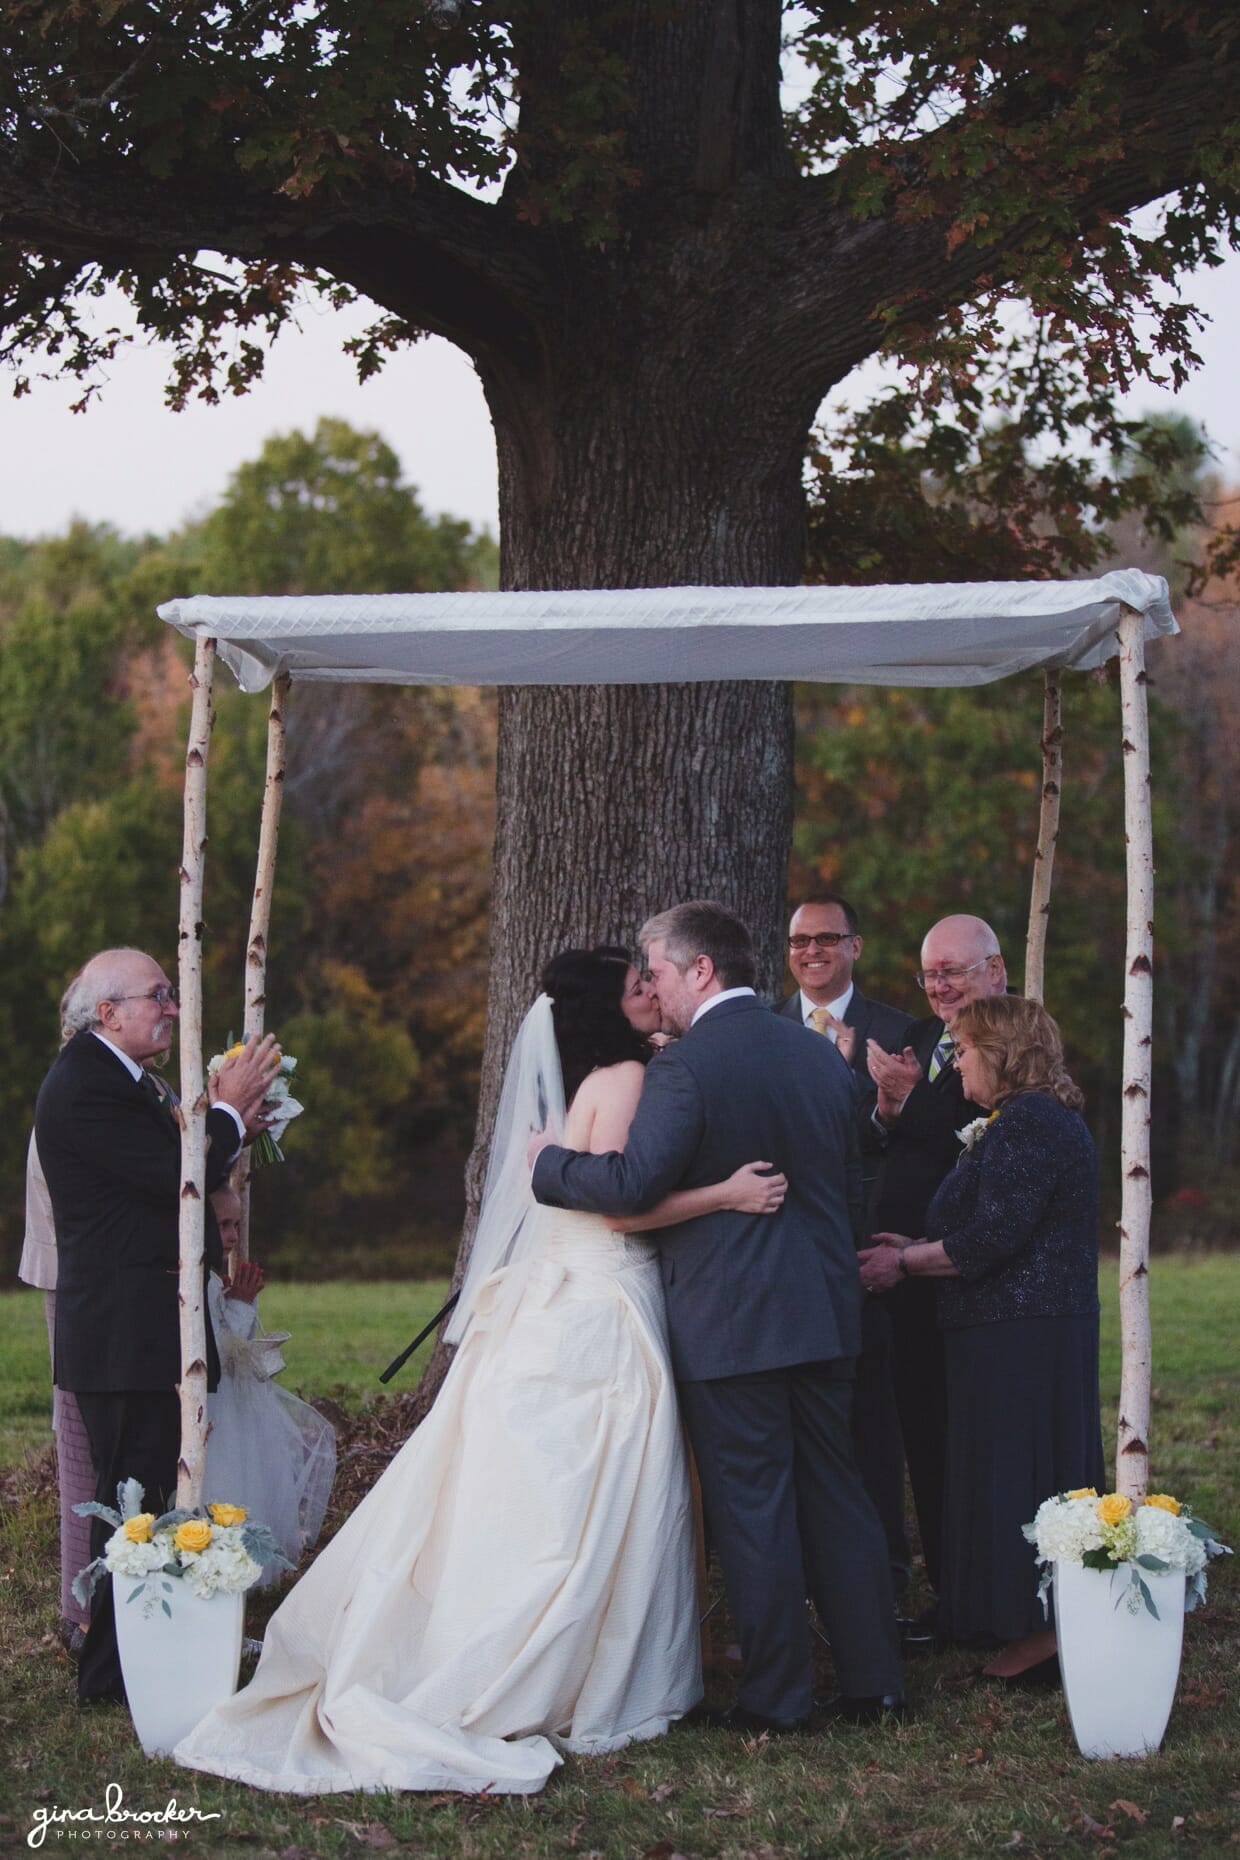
x=1012, y=1234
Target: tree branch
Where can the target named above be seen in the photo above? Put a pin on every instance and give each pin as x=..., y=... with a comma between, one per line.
x=842, y=268
x=430, y=253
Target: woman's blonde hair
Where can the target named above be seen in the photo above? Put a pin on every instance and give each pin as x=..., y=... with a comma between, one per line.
x=1020, y=1044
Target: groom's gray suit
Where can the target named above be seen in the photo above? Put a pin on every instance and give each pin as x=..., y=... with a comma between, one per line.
x=763, y=1315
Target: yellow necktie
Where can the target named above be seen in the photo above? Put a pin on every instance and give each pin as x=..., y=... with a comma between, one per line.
x=818, y=1021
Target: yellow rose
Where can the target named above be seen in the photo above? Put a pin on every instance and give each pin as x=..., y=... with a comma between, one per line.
x=238, y=1046
x=1084, y=1491
x=1163, y=1501
x=138, y=1528
x=194, y=1534
x=1114, y=1508
x=225, y=1515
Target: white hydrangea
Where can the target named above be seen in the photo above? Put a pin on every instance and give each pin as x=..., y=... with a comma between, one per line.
x=225, y=1567
x=1065, y=1528
x=1164, y=1535
x=125, y=1558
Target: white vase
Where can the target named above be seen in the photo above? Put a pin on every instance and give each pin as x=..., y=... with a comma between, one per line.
x=179, y=1655
x=1119, y=1668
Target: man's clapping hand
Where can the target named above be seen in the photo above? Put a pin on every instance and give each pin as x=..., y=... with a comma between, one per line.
x=242, y=1082
x=895, y=1074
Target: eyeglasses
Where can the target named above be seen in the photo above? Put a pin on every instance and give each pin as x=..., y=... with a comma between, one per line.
x=924, y=977
x=825, y=939
x=166, y=997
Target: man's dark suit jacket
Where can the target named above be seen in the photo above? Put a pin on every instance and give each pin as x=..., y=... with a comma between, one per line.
x=745, y=1292
x=922, y=1144
x=112, y=1157
x=874, y=1020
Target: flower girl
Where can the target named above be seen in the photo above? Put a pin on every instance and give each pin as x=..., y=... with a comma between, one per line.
x=266, y=1450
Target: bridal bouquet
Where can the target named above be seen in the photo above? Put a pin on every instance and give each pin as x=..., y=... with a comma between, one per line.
x=266, y=1145
x=213, y=1549
x=1112, y=1532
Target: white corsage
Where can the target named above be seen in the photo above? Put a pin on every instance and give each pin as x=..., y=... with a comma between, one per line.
x=974, y=1132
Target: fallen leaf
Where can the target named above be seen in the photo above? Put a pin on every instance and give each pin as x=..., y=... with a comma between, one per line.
x=1129, y=1808
x=733, y=1808
x=1208, y=1697
x=631, y=1786
x=661, y=1791
x=1177, y=1822
x=1016, y=1839
x=1099, y=1828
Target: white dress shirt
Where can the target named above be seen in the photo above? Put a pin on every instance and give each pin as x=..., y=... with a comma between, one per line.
x=838, y=1007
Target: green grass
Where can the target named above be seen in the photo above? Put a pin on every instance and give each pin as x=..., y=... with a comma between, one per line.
x=343, y=1336
x=975, y=1772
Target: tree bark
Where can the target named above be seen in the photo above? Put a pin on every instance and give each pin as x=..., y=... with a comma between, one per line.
x=1048, y=835
x=1133, y=1453
x=260, y=921
x=192, y=1111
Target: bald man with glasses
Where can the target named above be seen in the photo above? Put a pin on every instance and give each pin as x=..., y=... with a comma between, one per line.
x=920, y=1106
x=110, y=1146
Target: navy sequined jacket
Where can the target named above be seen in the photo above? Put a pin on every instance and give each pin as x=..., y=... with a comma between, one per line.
x=1018, y=1218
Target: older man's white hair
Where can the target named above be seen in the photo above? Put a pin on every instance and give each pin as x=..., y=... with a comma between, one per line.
x=102, y=978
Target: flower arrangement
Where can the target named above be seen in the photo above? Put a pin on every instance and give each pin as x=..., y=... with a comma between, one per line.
x=214, y=1550
x=974, y=1132
x=1113, y=1532
x=266, y=1145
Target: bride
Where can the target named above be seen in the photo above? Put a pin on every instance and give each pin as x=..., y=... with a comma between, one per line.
x=520, y=1581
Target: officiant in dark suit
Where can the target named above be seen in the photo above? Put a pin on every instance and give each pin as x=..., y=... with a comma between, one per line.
x=824, y=944
x=110, y=1146
x=763, y=1314
x=920, y=1106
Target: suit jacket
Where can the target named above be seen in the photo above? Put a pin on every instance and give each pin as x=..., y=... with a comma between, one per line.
x=112, y=1157
x=745, y=1292
x=874, y=1020
x=922, y=1145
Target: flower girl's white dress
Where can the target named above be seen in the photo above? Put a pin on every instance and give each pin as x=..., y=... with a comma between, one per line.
x=266, y=1450
x=521, y=1579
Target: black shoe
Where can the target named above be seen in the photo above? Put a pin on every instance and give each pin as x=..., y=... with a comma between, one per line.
x=748, y=1723
x=1044, y=1676
x=113, y=1695
x=891, y=1707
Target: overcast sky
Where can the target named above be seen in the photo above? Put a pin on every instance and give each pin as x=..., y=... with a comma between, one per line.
x=131, y=463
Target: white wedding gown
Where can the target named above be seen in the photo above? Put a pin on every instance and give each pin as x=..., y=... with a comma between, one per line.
x=521, y=1579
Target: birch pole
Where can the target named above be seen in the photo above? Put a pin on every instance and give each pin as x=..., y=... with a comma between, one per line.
x=193, y=1106
x=260, y=919
x=1048, y=834
x=1132, y=1449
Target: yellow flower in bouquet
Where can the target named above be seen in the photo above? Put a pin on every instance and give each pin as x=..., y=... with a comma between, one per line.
x=1114, y=1508
x=1163, y=1501
x=1084, y=1491
x=138, y=1528
x=225, y=1515
x=194, y=1534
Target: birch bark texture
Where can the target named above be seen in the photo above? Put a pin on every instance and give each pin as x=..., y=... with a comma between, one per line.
x=193, y=1108
x=1048, y=835
x=1132, y=1454
x=258, y=942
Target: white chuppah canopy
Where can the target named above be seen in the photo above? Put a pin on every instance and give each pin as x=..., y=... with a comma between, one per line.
x=963, y=633
x=940, y=634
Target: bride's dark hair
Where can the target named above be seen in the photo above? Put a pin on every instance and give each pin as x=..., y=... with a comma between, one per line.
x=586, y=987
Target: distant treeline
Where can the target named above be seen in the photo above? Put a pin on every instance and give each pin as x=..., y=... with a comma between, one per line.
x=912, y=803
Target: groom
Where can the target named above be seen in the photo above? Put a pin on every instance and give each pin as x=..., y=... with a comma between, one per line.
x=762, y=1313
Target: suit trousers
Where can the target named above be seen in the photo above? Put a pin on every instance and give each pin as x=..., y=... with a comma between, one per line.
x=789, y=1514
x=133, y=1434
x=878, y=1437
x=921, y=1397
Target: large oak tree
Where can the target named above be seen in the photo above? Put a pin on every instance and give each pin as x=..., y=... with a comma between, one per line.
x=658, y=275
